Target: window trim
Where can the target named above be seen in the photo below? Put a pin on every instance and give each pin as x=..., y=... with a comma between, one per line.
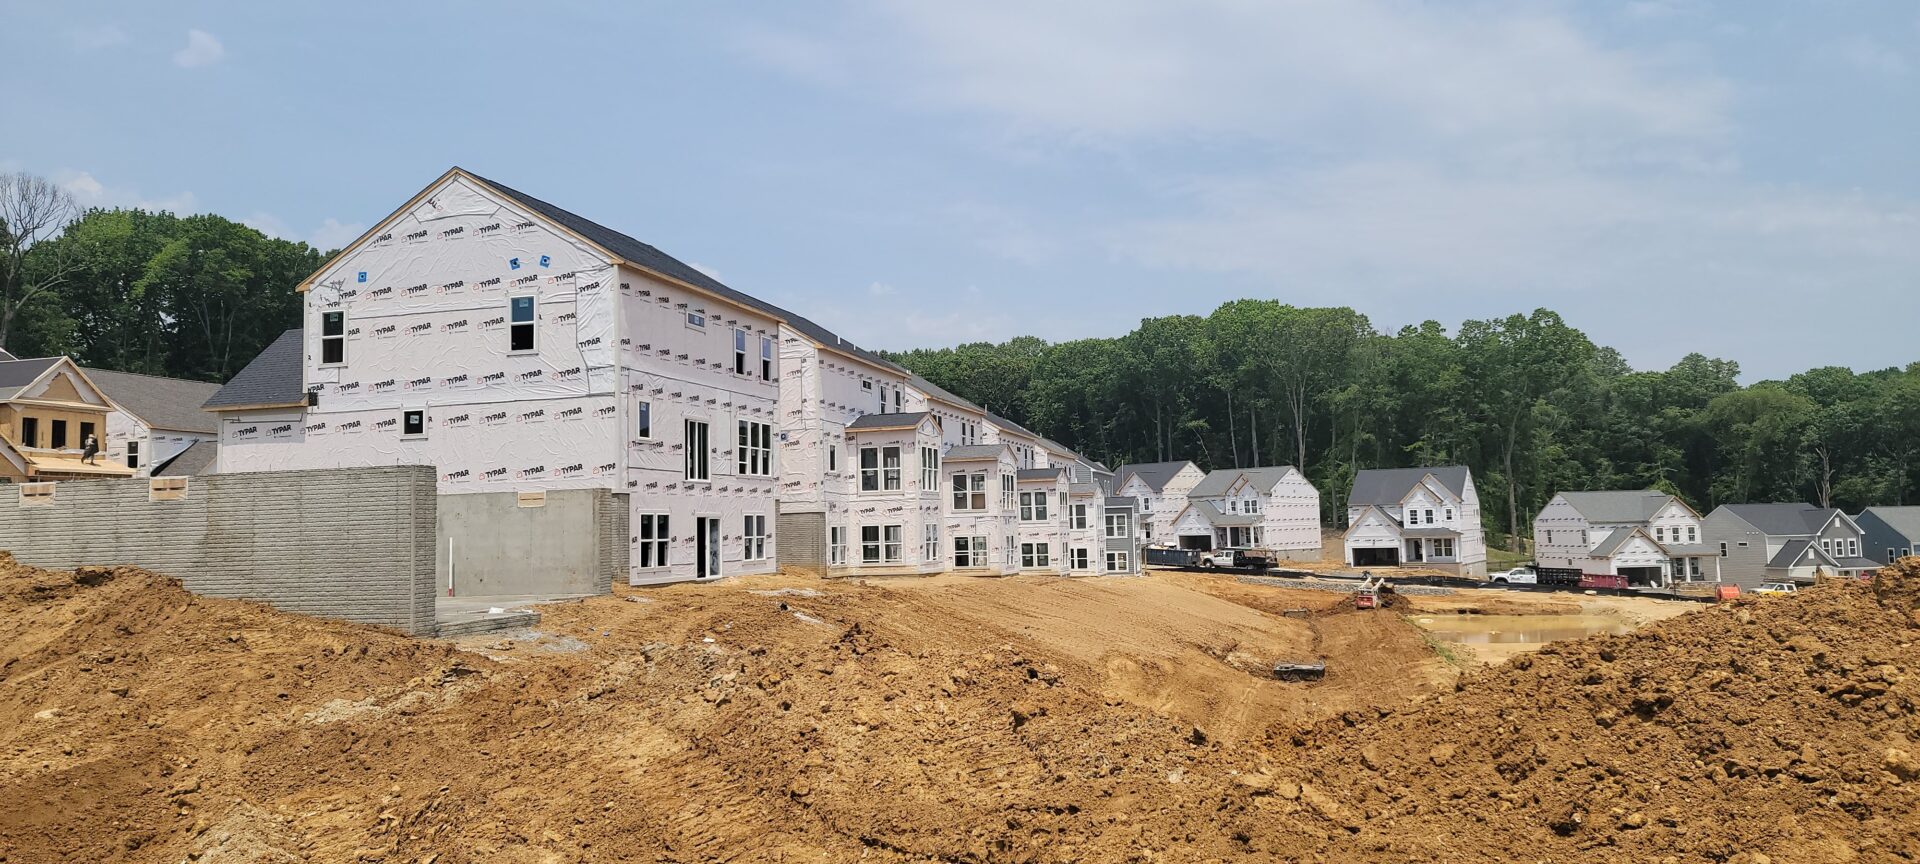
x=1126, y=529
x=890, y=474
x=836, y=546
x=532, y=325
x=340, y=337
x=1124, y=563
x=133, y=454
x=766, y=358
x=655, y=538
x=407, y=415
x=754, y=449
x=753, y=537
x=929, y=468
x=688, y=319
x=703, y=451
x=739, y=350
x=643, y=419
x=869, y=476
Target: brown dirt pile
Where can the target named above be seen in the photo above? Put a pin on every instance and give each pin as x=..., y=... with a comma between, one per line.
x=854, y=722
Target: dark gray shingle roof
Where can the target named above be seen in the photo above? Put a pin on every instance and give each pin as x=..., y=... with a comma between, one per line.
x=193, y=461
x=273, y=378
x=1616, y=540
x=1039, y=473
x=1218, y=482
x=1782, y=519
x=888, y=421
x=1905, y=520
x=162, y=403
x=974, y=451
x=1154, y=474
x=1218, y=517
x=15, y=374
x=1790, y=554
x=938, y=392
x=1121, y=504
x=1388, y=485
x=1615, y=507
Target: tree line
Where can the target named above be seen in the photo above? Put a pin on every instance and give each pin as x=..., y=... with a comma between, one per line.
x=1533, y=406
x=138, y=291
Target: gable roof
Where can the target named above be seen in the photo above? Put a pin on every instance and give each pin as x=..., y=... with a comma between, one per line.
x=935, y=391
x=903, y=420
x=1218, y=517
x=1025, y=474
x=195, y=460
x=5, y=355
x=273, y=379
x=1387, y=486
x=1010, y=426
x=1154, y=474
x=1618, y=539
x=1621, y=506
x=974, y=451
x=162, y=403
x=1905, y=520
x=1783, y=519
x=1791, y=553
x=1219, y=482
x=16, y=375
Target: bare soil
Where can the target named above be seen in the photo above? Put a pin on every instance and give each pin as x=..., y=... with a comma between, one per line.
x=948, y=719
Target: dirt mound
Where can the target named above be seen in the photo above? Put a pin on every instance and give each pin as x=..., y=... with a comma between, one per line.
x=858, y=722
x=1780, y=726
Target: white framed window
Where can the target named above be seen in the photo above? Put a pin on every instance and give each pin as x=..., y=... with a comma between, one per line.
x=1693, y=534
x=1253, y=505
x=36, y=494
x=869, y=544
x=697, y=455
x=1429, y=517
x=696, y=319
x=1013, y=552
x=1033, y=555
x=969, y=551
x=643, y=419
x=133, y=454
x=969, y=432
x=739, y=351
x=1853, y=547
x=1006, y=491
x=766, y=358
x=929, y=469
x=837, y=545
x=896, y=399
x=1078, y=559
x=1117, y=562
x=333, y=338
x=1117, y=526
x=1443, y=547
x=1659, y=534
x=754, y=539
x=1079, y=519
x=1449, y=514
x=883, y=400
x=1033, y=506
x=869, y=469
x=890, y=469
x=754, y=455
x=654, y=540
x=833, y=457
x=413, y=423
x=970, y=491
x=929, y=543
x=520, y=319
x=890, y=549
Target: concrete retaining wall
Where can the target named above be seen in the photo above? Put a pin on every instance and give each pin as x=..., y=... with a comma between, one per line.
x=574, y=543
x=352, y=544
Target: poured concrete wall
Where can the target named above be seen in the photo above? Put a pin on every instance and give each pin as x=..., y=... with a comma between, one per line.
x=353, y=544
x=573, y=543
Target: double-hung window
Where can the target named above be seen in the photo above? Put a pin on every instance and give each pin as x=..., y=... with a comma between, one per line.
x=1443, y=547
x=869, y=544
x=133, y=454
x=896, y=399
x=333, y=338
x=1033, y=555
x=739, y=351
x=654, y=539
x=929, y=543
x=890, y=469
x=1117, y=562
x=1079, y=520
x=890, y=548
x=1078, y=559
x=929, y=469
x=970, y=491
x=869, y=469
x=1033, y=506
x=1006, y=491
x=755, y=453
x=766, y=358
x=520, y=323
x=697, y=467
x=837, y=545
x=883, y=400
x=755, y=537
x=1117, y=525
x=969, y=551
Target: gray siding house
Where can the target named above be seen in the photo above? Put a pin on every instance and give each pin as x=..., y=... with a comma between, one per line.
x=1760, y=543
x=1890, y=533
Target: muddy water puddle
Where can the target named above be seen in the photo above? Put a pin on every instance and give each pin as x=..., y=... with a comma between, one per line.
x=1498, y=637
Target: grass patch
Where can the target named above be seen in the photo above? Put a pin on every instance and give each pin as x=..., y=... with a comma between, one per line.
x=1440, y=647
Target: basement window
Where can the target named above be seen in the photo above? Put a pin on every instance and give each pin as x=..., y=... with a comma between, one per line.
x=413, y=423
x=333, y=338
x=167, y=489
x=36, y=494
x=520, y=324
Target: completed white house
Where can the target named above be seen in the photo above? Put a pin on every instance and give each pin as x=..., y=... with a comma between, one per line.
x=1270, y=508
x=1161, y=488
x=1652, y=538
x=1416, y=517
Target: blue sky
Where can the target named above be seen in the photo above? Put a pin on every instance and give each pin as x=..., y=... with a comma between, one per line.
x=1738, y=178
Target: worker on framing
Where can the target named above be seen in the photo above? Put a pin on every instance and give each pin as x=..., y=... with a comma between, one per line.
x=89, y=450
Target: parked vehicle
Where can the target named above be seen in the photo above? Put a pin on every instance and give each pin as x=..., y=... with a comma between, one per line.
x=1211, y=559
x=1776, y=588
x=1516, y=576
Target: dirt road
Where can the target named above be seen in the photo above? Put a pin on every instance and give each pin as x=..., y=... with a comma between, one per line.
x=949, y=719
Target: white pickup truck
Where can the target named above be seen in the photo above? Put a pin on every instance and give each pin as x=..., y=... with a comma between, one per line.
x=1516, y=576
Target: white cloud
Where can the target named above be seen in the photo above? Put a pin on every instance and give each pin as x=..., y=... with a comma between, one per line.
x=202, y=49
x=880, y=289
x=97, y=38
x=88, y=191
